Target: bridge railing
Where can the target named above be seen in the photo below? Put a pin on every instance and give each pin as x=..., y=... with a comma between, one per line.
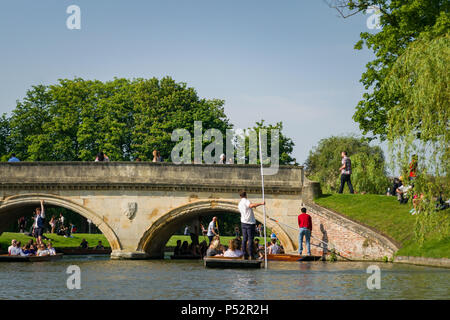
x=225, y=177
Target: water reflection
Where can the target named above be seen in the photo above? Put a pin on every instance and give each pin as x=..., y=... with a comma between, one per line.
x=102, y=278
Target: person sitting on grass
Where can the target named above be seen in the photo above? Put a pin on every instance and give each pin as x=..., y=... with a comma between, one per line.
x=233, y=250
x=50, y=249
x=84, y=244
x=416, y=201
x=403, y=193
x=99, y=246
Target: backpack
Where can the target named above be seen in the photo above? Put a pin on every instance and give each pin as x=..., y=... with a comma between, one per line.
x=348, y=165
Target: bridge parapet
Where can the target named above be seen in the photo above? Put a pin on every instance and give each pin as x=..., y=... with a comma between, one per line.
x=147, y=175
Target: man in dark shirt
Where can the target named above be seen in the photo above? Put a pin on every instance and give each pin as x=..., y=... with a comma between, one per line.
x=84, y=244
x=305, y=225
x=346, y=172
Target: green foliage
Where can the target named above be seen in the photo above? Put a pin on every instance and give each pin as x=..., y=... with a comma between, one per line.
x=75, y=119
x=402, y=21
x=332, y=257
x=368, y=165
x=286, y=145
x=419, y=123
x=4, y=133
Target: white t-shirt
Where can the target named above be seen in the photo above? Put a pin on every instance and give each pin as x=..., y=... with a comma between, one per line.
x=233, y=254
x=211, y=227
x=43, y=252
x=15, y=251
x=247, y=215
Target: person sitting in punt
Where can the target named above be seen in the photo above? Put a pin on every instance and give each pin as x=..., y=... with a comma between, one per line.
x=99, y=246
x=177, y=250
x=214, y=249
x=233, y=250
x=184, y=250
x=258, y=249
x=203, y=247
x=27, y=250
x=42, y=251
x=14, y=249
x=50, y=249
x=194, y=249
x=274, y=247
x=84, y=244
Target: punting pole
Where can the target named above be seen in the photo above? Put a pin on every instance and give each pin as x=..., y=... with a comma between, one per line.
x=264, y=206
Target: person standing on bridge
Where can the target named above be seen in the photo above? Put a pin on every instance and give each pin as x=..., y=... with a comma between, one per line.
x=248, y=224
x=305, y=225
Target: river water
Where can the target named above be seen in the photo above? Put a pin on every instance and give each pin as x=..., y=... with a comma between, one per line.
x=102, y=278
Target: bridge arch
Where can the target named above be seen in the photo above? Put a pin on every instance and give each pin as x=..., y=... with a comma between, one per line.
x=11, y=204
x=156, y=236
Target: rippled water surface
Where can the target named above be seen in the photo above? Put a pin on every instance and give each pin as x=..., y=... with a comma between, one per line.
x=102, y=278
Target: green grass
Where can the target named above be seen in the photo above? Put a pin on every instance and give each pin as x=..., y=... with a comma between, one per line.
x=386, y=215
x=57, y=241
x=223, y=240
x=92, y=239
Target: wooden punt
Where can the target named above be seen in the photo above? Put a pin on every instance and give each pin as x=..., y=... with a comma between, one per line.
x=226, y=263
x=81, y=251
x=7, y=258
x=292, y=257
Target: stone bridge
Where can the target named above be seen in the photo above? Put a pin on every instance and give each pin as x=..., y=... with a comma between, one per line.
x=139, y=205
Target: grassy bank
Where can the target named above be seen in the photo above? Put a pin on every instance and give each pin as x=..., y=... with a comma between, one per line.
x=92, y=239
x=57, y=241
x=386, y=215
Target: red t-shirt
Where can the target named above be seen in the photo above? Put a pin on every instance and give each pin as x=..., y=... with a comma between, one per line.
x=304, y=221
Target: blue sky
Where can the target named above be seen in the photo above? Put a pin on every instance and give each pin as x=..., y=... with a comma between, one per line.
x=290, y=61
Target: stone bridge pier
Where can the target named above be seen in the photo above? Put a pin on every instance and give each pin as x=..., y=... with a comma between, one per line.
x=139, y=205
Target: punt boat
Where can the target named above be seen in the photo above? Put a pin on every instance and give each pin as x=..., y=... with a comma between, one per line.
x=7, y=258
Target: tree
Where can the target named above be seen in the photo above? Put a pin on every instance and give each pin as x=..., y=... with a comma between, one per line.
x=286, y=144
x=74, y=119
x=419, y=124
x=4, y=133
x=368, y=164
x=402, y=21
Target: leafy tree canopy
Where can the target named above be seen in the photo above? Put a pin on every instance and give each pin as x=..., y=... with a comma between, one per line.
x=368, y=164
x=75, y=119
x=402, y=22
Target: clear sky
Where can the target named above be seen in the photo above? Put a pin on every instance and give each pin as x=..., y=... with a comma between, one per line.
x=290, y=60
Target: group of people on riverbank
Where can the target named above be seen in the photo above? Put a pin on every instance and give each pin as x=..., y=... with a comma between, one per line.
x=31, y=249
